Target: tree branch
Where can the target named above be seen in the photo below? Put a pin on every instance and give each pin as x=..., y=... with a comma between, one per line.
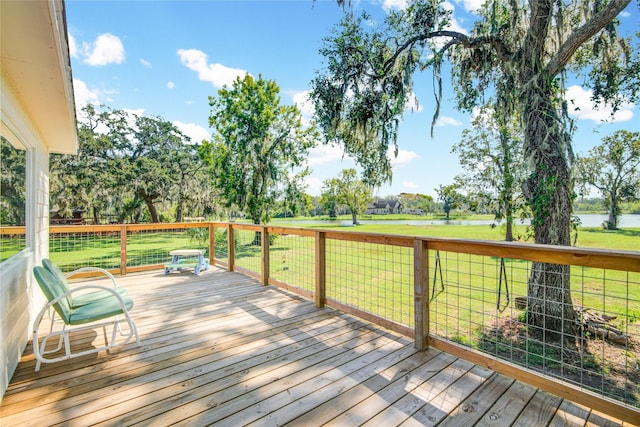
x=582, y=34
x=496, y=42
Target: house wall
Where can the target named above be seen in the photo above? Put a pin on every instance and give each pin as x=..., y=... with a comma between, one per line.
x=20, y=297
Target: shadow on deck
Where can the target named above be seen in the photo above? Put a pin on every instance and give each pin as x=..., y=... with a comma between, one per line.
x=221, y=349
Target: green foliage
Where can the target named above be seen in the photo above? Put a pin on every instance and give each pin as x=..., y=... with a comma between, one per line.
x=349, y=191
x=613, y=168
x=450, y=198
x=417, y=201
x=12, y=184
x=256, y=142
x=329, y=197
x=519, y=51
x=490, y=154
x=125, y=162
x=361, y=95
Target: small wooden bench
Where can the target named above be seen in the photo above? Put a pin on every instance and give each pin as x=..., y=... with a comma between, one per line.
x=178, y=263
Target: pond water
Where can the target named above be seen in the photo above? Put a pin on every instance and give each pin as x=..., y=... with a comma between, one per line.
x=587, y=220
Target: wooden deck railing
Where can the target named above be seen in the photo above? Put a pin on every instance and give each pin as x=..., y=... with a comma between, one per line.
x=462, y=296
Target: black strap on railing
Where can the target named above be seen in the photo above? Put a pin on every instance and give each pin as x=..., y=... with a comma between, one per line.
x=503, y=273
x=437, y=269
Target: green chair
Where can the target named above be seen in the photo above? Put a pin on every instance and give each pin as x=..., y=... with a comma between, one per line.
x=85, y=298
x=100, y=312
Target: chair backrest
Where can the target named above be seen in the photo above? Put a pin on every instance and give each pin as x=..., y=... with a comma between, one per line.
x=52, y=288
x=55, y=270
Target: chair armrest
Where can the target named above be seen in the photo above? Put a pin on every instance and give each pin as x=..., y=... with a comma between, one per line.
x=85, y=287
x=93, y=269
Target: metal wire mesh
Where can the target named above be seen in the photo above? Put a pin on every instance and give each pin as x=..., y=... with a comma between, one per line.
x=484, y=302
x=375, y=278
x=11, y=242
x=149, y=247
x=248, y=249
x=74, y=250
x=221, y=246
x=292, y=260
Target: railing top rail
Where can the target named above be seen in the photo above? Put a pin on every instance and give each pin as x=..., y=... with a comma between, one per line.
x=12, y=229
x=84, y=228
x=588, y=257
x=570, y=255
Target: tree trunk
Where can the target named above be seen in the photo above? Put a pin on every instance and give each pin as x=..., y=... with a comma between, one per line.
x=149, y=200
x=508, y=236
x=353, y=217
x=179, y=209
x=612, y=223
x=551, y=315
x=96, y=215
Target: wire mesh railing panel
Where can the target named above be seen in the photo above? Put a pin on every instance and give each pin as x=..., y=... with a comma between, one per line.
x=71, y=251
x=292, y=260
x=149, y=247
x=578, y=324
x=221, y=247
x=12, y=241
x=371, y=277
x=248, y=249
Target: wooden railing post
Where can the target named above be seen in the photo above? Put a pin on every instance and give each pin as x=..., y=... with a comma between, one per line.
x=321, y=269
x=212, y=244
x=265, y=256
x=421, y=293
x=231, y=247
x=123, y=250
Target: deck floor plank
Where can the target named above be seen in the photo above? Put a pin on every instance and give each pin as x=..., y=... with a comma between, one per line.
x=508, y=407
x=540, y=410
x=222, y=349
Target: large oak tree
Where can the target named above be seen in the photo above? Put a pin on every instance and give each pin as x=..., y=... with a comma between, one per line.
x=521, y=52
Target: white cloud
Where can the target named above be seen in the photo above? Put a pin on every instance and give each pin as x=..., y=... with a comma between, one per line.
x=388, y=5
x=404, y=157
x=322, y=154
x=471, y=5
x=314, y=185
x=171, y=85
x=447, y=121
x=412, y=103
x=73, y=47
x=196, y=132
x=107, y=49
x=145, y=63
x=83, y=95
x=304, y=103
x=454, y=25
x=409, y=185
x=217, y=74
x=582, y=107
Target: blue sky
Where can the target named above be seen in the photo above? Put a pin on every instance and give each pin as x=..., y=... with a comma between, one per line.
x=165, y=58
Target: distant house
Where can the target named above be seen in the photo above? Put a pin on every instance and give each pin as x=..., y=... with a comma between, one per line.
x=413, y=211
x=383, y=207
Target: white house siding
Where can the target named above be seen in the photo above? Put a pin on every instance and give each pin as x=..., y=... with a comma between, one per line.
x=38, y=115
x=20, y=297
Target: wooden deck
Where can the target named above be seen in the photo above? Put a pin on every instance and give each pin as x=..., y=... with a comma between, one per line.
x=221, y=349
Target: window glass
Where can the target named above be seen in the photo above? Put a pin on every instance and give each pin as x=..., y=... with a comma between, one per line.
x=13, y=168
